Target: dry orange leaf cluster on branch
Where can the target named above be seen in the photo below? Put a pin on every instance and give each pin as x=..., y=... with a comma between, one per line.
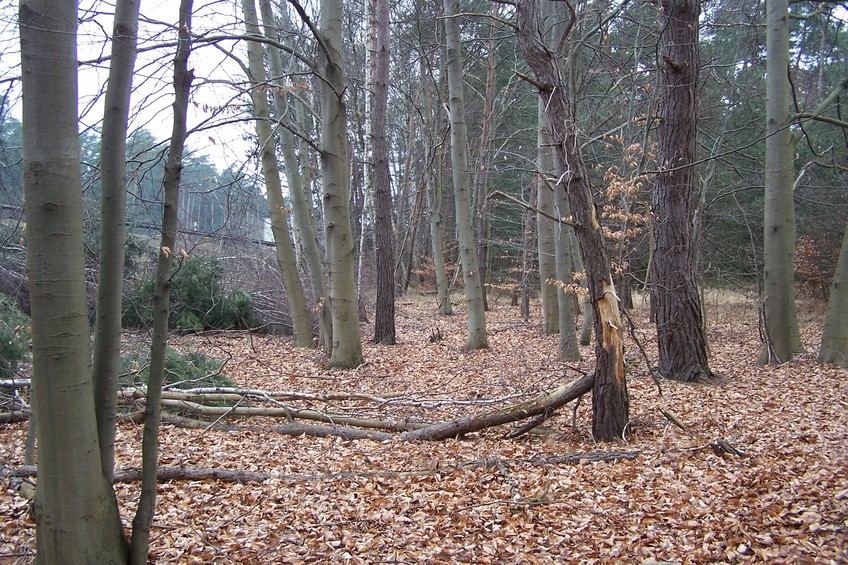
x=547, y=496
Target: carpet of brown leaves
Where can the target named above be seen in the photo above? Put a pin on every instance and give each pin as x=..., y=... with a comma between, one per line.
x=486, y=499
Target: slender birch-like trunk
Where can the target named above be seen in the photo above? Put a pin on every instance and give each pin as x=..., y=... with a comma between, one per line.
x=462, y=183
x=113, y=214
x=183, y=76
x=298, y=183
x=301, y=324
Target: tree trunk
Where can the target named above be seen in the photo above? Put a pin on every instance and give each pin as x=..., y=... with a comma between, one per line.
x=610, y=404
x=779, y=310
x=568, y=347
x=528, y=220
x=462, y=183
x=113, y=211
x=384, y=317
x=482, y=184
x=301, y=324
x=834, y=342
x=347, y=342
x=75, y=510
x=433, y=186
x=143, y=520
x=681, y=338
x=553, y=20
x=542, y=405
x=298, y=183
x=546, y=229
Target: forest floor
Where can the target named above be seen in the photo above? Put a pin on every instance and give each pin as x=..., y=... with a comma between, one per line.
x=489, y=499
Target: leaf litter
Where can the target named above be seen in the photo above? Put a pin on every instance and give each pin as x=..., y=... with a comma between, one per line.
x=488, y=499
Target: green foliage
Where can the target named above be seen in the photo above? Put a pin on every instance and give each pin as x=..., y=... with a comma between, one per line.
x=184, y=371
x=197, y=299
x=14, y=337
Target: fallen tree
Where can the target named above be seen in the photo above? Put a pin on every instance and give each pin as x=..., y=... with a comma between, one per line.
x=541, y=405
x=167, y=473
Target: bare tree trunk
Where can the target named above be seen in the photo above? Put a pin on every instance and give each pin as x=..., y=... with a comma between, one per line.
x=384, y=317
x=347, y=341
x=528, y=224
x=113, y=211
x=301, y=324
x=75, y=510
x=483, y=168
x=462, y=183
x=834, y=342
x=610, y=403
x=779, y=310
x=298, y=183
x=433, y=184
x=681, y=337
x=545, y=226
x=183, y=76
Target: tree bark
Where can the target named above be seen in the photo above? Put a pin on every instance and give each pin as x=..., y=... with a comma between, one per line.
x=298, y=183
x=433, y=184
x=834, y=342
x=347, y=341
x=301, y=324
x=545, y=232
x=476, y=313
x=681, y=337
x=482, y=180
x=75, y=509
x=779, y=310
x=384, y=317
x=106, y=363
x=610, y=403
x=183, y=76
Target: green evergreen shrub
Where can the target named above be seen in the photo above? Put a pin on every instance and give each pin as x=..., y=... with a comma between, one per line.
x=197, y=300
x=190, y=370
x=14, y=337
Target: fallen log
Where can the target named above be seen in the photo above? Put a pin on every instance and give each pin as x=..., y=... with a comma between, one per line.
x=166, y=473
x=543, y=404
x=290, y=429
x=293, y=413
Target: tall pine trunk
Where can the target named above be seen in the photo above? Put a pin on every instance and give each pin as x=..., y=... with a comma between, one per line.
x=681, y=337
x=384, y=317
x=476, y=321
x=75, y=509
